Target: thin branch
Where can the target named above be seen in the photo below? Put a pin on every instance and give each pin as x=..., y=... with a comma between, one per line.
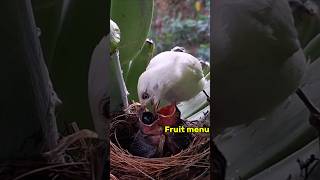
x=312, y=108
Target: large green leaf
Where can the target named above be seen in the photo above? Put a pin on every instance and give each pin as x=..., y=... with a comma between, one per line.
x=195, y=104
x=134, y=19
x=251, y=149
x=137, y=67
x=203, y=116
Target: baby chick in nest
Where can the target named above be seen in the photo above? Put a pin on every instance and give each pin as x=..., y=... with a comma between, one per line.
x=152, y=141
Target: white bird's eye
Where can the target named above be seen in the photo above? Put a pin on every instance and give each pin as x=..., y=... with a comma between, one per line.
x=145, y=95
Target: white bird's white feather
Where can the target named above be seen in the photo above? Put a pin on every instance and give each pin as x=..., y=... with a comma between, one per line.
x=171, y=76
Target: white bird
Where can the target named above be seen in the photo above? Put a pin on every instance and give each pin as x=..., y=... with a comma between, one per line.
x=257, y=58
x=171, y=77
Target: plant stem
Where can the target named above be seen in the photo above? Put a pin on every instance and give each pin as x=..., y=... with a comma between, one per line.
x=119, y=73
x=27, y=116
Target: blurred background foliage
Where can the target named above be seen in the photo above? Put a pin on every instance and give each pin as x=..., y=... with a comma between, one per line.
x=182, y=23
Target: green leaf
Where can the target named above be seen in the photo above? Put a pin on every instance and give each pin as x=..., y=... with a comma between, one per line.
x=117, y=72
x=134, y=19
x=205, y=67
x=207, y=77
x=201, y=114
x=192, y=106
x=137, y=67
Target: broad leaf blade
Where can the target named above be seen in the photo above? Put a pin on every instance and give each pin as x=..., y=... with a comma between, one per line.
x=137, y=67
x=134, y=19
x=195, y=104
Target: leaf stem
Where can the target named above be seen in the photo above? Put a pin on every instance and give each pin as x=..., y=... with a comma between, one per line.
x=119, y=74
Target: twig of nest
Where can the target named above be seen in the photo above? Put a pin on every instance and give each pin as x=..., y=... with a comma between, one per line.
x=192, y=162
x=196, y=157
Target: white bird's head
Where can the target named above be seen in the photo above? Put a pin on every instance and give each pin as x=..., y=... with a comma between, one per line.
x=167, y=79
x=147, y=95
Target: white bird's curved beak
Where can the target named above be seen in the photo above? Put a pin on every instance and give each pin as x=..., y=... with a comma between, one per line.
x=150, y=105
x=145, y=106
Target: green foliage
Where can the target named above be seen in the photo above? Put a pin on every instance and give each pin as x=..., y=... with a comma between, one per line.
x=183, y=24
x=134, y=23
x=196, y=104
x=186, y=33
x=133, y=18
x=137, y=67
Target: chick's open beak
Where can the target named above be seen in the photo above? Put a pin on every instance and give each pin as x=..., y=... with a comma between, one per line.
x=165, y=116
x=144, y=106
x=169, y=115
x=147, y=112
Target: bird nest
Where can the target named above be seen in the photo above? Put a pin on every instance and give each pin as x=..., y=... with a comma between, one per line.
x=190, y=163
x=77, y=156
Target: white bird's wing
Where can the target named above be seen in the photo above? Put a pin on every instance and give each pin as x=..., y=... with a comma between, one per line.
x=161, y=59
x=170, y=58
x=172, y=76
x=181, y=76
